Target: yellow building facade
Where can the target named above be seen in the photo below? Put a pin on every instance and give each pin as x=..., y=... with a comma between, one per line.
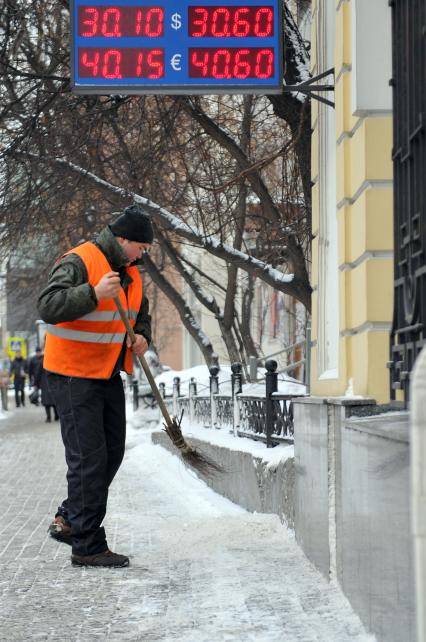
x=352, y=251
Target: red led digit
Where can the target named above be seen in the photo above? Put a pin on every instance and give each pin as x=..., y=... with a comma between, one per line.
x=221, y=64
x=200, y=60
x=156, y=63
x=220, y=22
x=91, y=62
x=112, y=63
x=138, y=24
x=139, y=64
x=91, y=22
x=150, y=63
x=150, y=23
x=241, y=25
x=154, y=22
x=241, y=67
x=264, y=63
x=264, y=22
x=200, y=22
x=111, y=23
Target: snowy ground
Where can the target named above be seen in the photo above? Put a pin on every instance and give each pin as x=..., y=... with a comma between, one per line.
x=202, y=569
x=220, y=437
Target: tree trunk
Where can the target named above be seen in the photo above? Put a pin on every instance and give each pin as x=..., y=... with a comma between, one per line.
x=246, y=310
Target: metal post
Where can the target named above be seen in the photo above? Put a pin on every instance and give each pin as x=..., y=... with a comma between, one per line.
x=135, y=387
x=271, y=387
x=162, y=388
x=237, y=388
x=418, y=487
x=253, y=369
x=214, y=390
x=192, y=393
x=176, y=395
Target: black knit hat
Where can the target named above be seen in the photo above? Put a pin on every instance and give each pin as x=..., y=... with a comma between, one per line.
x=134, y=225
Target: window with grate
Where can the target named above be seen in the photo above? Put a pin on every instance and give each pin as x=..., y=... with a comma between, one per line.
x=409, y=157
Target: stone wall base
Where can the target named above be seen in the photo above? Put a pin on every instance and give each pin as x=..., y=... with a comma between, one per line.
x=352, y=507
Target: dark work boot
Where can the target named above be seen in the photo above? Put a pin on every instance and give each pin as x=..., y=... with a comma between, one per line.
x=60, y=530
x=107, y=559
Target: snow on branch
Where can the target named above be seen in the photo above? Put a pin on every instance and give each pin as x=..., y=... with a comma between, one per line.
x=273, y=277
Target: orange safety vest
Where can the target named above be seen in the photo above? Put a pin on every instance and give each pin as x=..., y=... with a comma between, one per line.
x=89, y=347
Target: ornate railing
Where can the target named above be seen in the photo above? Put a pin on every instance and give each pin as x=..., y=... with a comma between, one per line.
x=183, y=404
x=264, y=415
x=253, y=417
x=283, y=422
x=202, y=410
x=225, y=410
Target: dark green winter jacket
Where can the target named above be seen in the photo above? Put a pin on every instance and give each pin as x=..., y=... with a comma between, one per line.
x=69, y=296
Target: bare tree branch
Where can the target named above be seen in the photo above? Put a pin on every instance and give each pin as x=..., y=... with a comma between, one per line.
x=288, y=283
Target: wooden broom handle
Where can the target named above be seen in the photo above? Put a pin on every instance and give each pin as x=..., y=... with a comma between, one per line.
x=159, y=399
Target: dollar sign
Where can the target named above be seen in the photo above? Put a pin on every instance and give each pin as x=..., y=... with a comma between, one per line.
x=176, y=21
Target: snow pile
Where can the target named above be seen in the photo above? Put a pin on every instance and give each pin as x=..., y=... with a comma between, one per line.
x=286, y=385
x=149, y=420
x=226, y=439
x=201, y=375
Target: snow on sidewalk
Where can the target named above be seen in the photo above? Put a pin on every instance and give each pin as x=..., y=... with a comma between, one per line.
x=228, y=575
x=202, y=569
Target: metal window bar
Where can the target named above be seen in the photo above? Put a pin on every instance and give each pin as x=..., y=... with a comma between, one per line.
x=409, y=161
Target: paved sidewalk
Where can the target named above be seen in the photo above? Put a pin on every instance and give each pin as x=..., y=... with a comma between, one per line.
x=202, y=569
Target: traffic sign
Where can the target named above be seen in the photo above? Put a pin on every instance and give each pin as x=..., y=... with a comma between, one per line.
x=14, y=344
x=131, y=47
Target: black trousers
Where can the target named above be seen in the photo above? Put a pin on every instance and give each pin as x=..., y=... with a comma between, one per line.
x=19, y=386
x=93, y=425
x=48, y=409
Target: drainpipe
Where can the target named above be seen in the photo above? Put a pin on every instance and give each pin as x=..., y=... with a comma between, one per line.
x=418, y=487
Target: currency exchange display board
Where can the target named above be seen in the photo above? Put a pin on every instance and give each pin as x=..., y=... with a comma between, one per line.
x=185, y=47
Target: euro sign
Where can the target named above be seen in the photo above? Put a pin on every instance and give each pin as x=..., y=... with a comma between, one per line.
x=176, y=21
x=175, y=62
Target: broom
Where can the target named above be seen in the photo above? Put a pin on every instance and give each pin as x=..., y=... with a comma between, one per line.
x=192, y=457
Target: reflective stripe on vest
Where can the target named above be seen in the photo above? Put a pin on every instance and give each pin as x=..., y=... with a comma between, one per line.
x=108, y=316
x=86, y=337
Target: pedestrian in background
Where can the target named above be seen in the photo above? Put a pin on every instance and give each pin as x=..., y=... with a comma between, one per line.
x=19, y=370
x=4, y=382
x=34, y=373
x=86, y=348
x=39, y=381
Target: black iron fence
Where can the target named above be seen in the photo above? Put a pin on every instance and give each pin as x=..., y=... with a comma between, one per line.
x=260, y=412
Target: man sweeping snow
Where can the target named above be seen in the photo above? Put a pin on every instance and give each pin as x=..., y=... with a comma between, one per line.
x=86, y=348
